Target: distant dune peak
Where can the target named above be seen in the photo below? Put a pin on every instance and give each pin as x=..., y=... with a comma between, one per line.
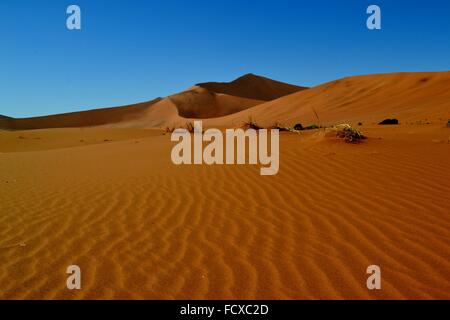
x=252, y=86
x=217, y=99
x=201, y=103
x=249, y=76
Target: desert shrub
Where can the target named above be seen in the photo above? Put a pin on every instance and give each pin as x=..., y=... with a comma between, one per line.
x=360, y=123
x=298, y=127
x=388, y=122
x=448, y=123
x=348, y=133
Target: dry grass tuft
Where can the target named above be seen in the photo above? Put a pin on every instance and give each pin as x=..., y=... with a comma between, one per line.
x=189, y=126
x=348, y=133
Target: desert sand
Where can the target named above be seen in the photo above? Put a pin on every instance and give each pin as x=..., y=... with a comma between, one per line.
x=106, y=196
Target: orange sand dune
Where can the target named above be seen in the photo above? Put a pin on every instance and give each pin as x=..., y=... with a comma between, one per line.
x=79, y=119
x=253, y=87
x=4, y=122
x=141, y=227
x=371, y=98
x=200, y=101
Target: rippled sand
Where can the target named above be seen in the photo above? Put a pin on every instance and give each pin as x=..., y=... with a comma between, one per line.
x=141, y=227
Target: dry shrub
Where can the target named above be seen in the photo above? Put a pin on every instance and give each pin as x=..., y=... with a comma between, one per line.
x=348, y=133
x=189, y=126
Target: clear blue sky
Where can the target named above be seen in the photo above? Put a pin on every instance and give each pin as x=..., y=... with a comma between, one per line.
x=135, y=50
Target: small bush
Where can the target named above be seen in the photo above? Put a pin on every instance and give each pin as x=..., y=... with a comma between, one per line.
x=389, y=122
x=298, y=127
x=448, y=123
x=312, y=127
x=348, y=133
x=360, y=123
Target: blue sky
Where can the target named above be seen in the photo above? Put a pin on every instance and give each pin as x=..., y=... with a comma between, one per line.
x=135, y=50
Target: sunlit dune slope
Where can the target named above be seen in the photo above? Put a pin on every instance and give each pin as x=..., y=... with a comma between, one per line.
x=201, y=103
x=407, y=96
x=88, y=118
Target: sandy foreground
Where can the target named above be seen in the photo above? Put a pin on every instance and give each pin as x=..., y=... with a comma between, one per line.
x=111, y=201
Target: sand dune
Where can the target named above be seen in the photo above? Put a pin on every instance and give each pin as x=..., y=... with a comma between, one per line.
x=208, y=100
x=253, y=87
x=88, y=118
x=372, y=98
x=4, y=122
x=199, y=103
